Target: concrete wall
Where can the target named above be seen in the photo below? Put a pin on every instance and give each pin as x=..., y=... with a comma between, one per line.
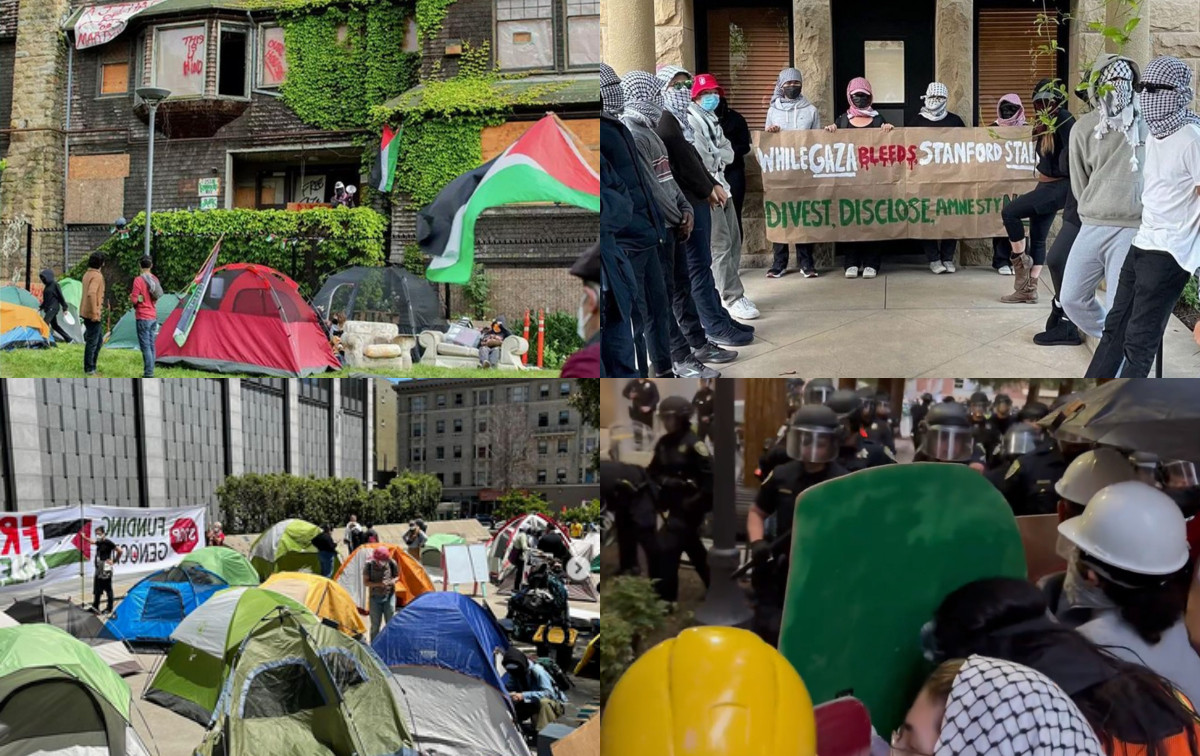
x=314, y=438
x=8, y=49
x=194, y=440
x=262, y=409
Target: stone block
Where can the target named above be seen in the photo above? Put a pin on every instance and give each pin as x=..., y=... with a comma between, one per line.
x=754, y=235
x=673, y=13
x=813, y=45
x=1174, y=16
x=1179, y=44
x=674, y=45
x=953, y=67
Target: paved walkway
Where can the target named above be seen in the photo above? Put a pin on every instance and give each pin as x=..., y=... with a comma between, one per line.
x=910, y=323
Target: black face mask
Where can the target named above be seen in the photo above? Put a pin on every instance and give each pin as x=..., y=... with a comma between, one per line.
x=1008, y=110
x=860, y=100
x=791, y=93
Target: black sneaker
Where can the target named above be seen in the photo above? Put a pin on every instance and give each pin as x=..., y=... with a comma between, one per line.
x=743, y=327
x=775, y=273
x=710, y=352
x=731, y=337
x=691, y=368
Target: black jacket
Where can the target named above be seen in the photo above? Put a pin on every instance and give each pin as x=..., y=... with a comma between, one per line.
x=646, y=228
x=616, y=214
x=843, y=122
x=686, y=165
x=1055, y=163
x=52, y=296
x=738, y=133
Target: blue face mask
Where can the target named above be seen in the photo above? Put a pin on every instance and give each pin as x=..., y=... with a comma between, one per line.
x=710, y=101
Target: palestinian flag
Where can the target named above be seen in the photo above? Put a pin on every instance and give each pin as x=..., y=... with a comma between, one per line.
x=545, y=165
x=199, y=288
x=389, y=150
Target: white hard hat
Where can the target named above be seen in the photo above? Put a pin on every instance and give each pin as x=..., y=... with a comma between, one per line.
x=1133, y=527
x=1092, y=471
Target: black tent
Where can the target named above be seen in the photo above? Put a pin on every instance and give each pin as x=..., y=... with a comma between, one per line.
x=382, y=295
x=65, y=615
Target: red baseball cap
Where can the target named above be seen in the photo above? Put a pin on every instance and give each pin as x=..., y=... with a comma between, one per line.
x=703, y=82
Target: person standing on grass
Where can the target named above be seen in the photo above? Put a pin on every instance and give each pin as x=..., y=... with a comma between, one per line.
x=144, y=295
x=380, y=579
x=89, y=309
x=53, y=302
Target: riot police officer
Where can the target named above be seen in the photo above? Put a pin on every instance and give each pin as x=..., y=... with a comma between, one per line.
x=919, y=410
x=775, y=451
x=1020, y=439
x=985, y=433
x=704, y=405
x=858, y=450
x=682, y=470
x=1002, y=416
x=1032, y=412
x=949, y=437
x=625, y=491
x=812, y=448
x=818, y=391
x=877, y=425
x=643, y=398
x=1028, y=483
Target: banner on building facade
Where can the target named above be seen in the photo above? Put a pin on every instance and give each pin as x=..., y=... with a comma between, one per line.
x=866, y=184
x=100, y=24
x=48, y=546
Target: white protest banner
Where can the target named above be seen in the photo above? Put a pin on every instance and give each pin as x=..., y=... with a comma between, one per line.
x=48, y=546
x=102, y=23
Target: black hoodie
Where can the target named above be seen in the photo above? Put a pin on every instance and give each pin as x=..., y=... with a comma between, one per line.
x=52, y=296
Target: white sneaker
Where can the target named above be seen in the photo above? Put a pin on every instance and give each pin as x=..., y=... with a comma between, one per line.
x=949, y=266
x=852, y=271
x=743, y=309
x=937, y=267
x=1005, y=270
x=868, y=272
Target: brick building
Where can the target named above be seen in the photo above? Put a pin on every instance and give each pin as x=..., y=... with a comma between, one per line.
x=171, y=442
x=449, y=429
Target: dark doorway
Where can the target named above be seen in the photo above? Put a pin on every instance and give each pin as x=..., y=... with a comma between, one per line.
x=745, y=45
x=875, y=39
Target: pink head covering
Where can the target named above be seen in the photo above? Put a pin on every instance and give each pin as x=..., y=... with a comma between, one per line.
x=859, y=84
x=381, y=554
x=1016, y=120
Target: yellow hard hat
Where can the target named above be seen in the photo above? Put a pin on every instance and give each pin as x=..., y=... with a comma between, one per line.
x=710, y=691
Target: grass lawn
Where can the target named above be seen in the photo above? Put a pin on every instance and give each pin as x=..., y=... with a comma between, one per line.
x=66, y=361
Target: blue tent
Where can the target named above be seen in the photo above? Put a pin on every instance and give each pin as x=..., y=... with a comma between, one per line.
x=447, y=630
x=158, y=603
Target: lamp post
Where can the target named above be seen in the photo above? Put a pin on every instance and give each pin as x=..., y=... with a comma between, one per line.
x=153, y=96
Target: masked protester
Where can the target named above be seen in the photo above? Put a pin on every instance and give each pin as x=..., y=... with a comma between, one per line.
x=737, y=131
x=1052, y=133
x=534, y=694
x=717, y=153
x=861, y=257
x=1009, y=112
x=790, y=110
x=585, y=362
x=1106, y=156
x=682, y=470
x=858, y=450
x=703, y=321
x=984, y=432
x=812, y=449
x=53, y=302
x=934, y=114
x=1166, y=248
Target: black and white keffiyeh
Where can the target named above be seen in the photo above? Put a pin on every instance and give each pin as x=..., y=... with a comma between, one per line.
x=1167, y=111
x=1114, y=93
x=777, y=98
x=643, y=98
x=935, y=112
x=612, y=100
x=1000, y=708
x=677, y=102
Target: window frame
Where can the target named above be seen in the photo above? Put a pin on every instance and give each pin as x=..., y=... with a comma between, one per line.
x=247, y=77
x=566, y=38
x=203, y=24
x=564, y=417
x=555, y=65
x=100, y=64
x=260, y=55
x=560, y=476
x=541, y=477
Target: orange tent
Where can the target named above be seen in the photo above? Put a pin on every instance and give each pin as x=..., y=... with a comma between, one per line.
x=412, y=583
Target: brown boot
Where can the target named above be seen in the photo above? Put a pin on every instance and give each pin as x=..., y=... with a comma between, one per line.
x=1022, y=265
x=1027, y=295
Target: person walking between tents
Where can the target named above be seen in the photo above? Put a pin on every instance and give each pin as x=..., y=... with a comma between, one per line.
x=532, y=690
x=523, y=542
x=380, y=578
x=144, y=293
x=53, y=302
x=326, y=550
x=415, y=538
x=105, y=551
x=89, y=310
x=352, y=537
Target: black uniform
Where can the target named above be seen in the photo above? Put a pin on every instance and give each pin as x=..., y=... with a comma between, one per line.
x=704, y=406
x=682, y=471
x=626, y=492
x=988, y=435
x=641, y=393
x=866, y=452
x=1002, y=424
x=778, y=496
x=1028, y=483
x=880, y=431
x=774, y=455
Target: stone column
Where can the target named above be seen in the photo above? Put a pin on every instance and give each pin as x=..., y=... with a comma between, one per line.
x=954, y=55
x=368, y=471
x=675, y=33
x=630, y=46
x=233, y=421
x=1176, y=27
x=1117, y=13
x=33, y=185
x=29, y=481
x=813, y=45
x=292, y=429
x=154, y=460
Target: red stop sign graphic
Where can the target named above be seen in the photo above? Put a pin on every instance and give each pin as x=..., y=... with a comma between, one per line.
x=184, y=535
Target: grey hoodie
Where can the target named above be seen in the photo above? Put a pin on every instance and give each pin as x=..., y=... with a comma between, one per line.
x=654, y=160
x=1109, y=193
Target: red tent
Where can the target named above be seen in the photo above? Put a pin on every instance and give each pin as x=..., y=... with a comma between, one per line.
x=252, y=320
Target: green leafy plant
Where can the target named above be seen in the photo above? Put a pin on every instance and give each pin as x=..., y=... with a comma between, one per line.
x=477, y=292
x=632, y=610
x=587, y=514
x=430, y=16
x=585, y=400
x=414, y=261
x=561, y=338
x=1191, y=294
x=518, y=502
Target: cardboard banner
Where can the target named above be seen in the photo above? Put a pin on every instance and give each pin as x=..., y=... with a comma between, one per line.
x=102, y=23
x=866, y=184
x=44, y=547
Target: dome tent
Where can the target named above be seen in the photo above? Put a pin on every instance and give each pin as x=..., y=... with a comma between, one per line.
x=80, y=624
x=384, y=294
x=453, y=714
x=500, y=548
x=124, y=334
x=233, y=568
x=322, y=596
x=58, y=696
x=22, y=327
x=431, y=552
x=286, y=546
x=156, y=605
x=252, y=320
x=18, y=296
x=412, y=583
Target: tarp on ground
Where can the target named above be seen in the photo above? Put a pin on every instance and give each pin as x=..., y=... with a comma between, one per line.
x=453, y=714
x=155, y=606
x=124, y=334
x=322, y=596
x=413, y=581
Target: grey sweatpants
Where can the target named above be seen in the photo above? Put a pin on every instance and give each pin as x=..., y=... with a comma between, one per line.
x=727, y=252
x=1097, y=255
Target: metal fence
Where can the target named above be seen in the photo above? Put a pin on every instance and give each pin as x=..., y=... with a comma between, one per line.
x=26, y=250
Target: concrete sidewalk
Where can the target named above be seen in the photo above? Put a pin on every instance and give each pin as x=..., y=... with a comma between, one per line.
x=910, y=323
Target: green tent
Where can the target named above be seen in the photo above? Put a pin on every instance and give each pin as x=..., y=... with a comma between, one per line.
x=287, y=547
x=298, y=686
x=431, y=552
x=17, y=295
x=91, y=703
x=189, y=680
x=229, y=564
x=124, y=333
x=72, y=289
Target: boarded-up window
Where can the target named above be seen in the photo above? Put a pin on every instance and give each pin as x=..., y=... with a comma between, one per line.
x=583, y=32
x=114, y=78
x=272, y=56
x=1004, y=60
x=747, y=48
x=179, y=59
x=524, y=34
x=96, y=188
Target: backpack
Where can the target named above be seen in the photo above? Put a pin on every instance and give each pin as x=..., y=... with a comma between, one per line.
x=153, y=286
x=561, y=681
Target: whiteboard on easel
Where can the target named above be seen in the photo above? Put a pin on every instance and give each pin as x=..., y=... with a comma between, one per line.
x=465, y=563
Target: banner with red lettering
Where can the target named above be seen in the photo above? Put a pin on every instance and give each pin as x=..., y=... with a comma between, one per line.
x=102, y=23
x=48, y=546
x=867, y=184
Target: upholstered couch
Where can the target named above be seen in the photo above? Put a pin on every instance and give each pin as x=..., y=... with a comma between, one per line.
x=376, y=345
x=442, y=353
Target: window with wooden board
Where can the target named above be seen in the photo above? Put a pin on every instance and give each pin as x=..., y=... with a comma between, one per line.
x=1005, y=60
x=747, y=48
